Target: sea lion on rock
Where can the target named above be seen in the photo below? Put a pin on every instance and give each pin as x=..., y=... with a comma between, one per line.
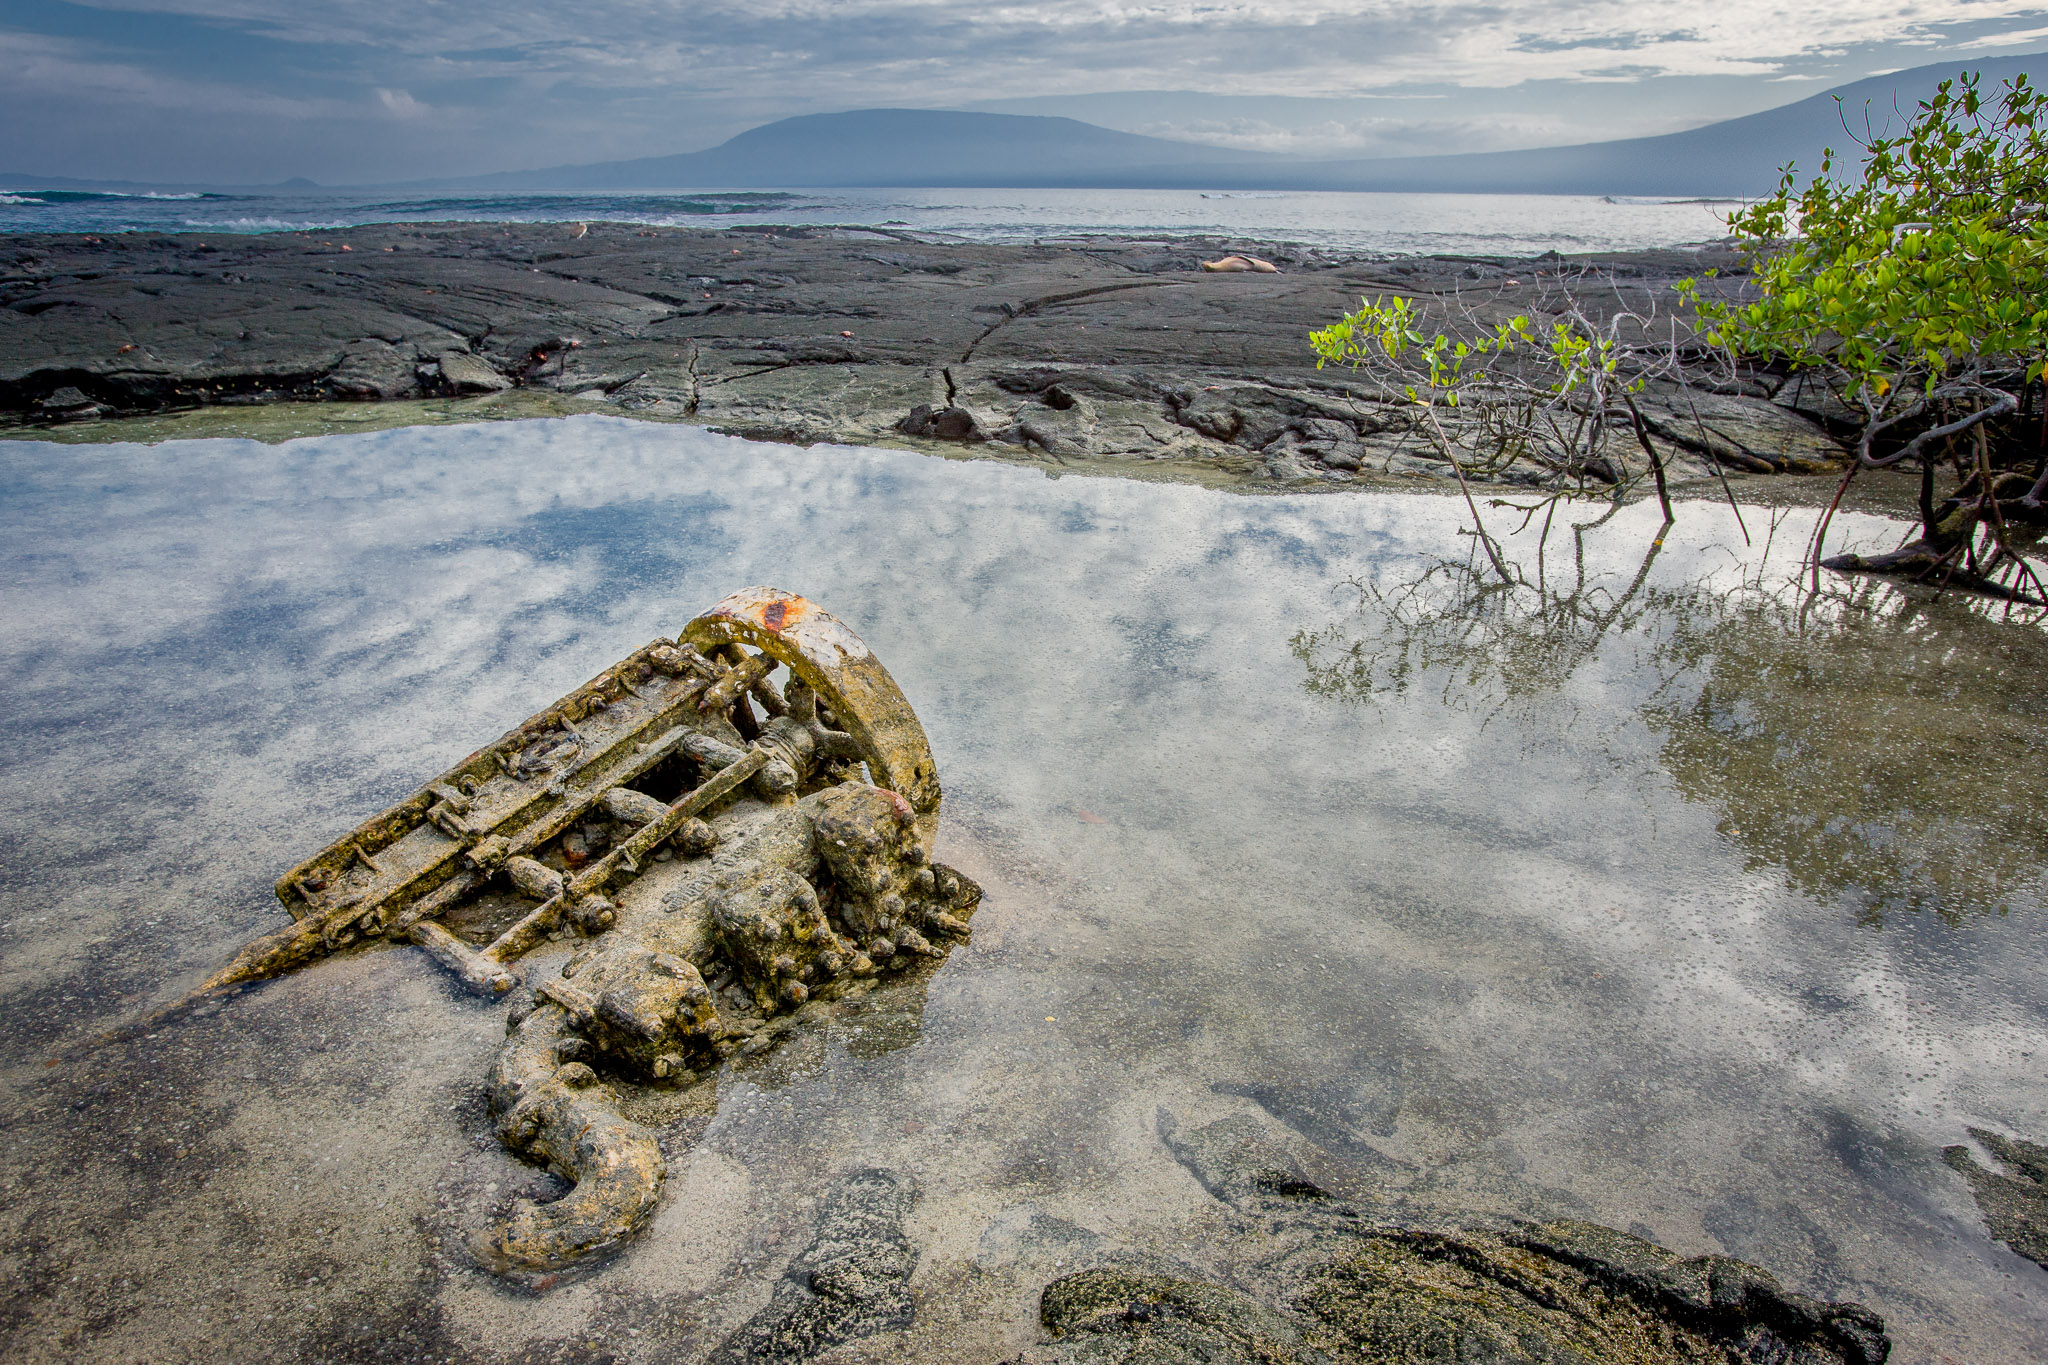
x=1235, y=263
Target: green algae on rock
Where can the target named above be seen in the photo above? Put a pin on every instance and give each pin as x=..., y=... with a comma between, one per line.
x=1561, y=1292
x=1334, y=1288
x=852, y=1281
x=2015, y=1208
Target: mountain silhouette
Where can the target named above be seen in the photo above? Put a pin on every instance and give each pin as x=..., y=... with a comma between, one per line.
x=896, y=147
x=942, y=148
x=1737, y=157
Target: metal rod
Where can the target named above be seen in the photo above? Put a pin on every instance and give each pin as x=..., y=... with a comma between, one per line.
x=537, y=922
x=476, y=971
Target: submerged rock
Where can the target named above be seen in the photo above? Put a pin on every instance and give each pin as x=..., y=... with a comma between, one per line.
x=852, y=1281
x=1107, y=1315
x=2015, y=1208
x=1322, y=1284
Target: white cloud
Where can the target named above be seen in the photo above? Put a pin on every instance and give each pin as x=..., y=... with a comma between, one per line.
x=1401, y=135
x=2013, y=39
x=38, y=66
x=335, y=88
x=851, y=50
x=401, y=103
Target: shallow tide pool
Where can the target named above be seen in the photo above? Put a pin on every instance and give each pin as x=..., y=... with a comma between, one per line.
x=1650, y=890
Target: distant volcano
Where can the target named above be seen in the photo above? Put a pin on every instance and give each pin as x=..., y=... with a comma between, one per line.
x=902, y=147
x=945, y=148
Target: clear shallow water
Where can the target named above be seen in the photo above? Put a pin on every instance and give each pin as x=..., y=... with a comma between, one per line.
x=1484, y=901
x=1398, y=224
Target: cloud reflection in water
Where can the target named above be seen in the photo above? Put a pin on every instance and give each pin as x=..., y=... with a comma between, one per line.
x=1491, y=943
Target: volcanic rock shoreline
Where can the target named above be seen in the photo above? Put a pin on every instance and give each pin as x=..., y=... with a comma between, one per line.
x=1113, y=353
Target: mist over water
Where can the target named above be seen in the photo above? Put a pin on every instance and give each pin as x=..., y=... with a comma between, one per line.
x=1393, y=224
x=1647, y=889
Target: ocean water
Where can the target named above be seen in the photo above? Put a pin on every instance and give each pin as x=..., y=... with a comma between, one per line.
x=1652, y=889
x=1394, y=224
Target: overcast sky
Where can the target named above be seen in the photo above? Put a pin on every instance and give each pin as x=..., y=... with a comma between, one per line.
x=379, y=90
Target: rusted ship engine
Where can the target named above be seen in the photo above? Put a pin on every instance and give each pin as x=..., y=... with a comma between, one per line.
x=732, y=823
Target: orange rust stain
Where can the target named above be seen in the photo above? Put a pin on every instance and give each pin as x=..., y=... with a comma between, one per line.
x=783, y=612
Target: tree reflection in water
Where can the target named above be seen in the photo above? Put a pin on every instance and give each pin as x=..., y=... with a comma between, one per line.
x=1874, y=743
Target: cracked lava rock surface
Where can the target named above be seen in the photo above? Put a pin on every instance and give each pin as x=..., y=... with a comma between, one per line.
x=1107, y=353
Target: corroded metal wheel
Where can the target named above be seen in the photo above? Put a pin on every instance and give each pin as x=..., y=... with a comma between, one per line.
x=596, y=819
x=850, y=682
